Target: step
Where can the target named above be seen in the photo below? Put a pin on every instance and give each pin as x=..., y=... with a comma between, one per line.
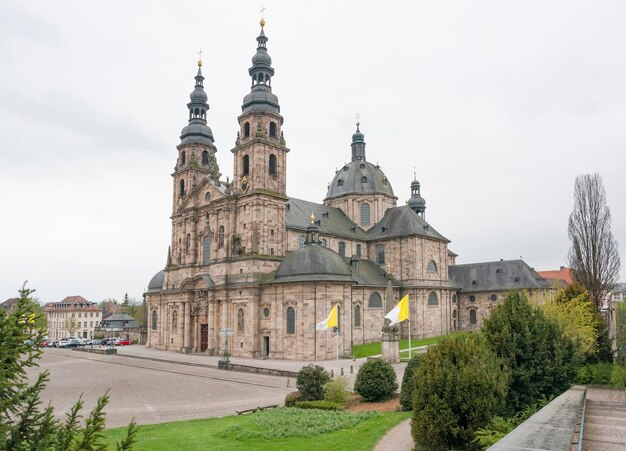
x=605, y=430
x=601, y=446
x=603, y=439
x=604, y=419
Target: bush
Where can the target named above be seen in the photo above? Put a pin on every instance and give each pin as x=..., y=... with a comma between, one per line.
x=310, y=382
x=543, y=361
x=406, y=389
x=322, y=405
x=292, y=398
x=336, y=391
x=376, y=380
x=618, y=376
x=462, y=385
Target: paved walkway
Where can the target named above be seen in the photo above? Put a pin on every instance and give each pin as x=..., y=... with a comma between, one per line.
x=397, y=439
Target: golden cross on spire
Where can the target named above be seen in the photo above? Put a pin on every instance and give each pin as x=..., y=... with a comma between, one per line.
x=200, y=58
x=262, y=22
x=312, y=218
x=358, y=119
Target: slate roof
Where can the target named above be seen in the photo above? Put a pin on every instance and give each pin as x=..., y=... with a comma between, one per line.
x=118, y=319
x=311, y=263
x=156, y=283
x=359, y=176
x=500, y=275
x=332, y=221
x=369, y=274
x=402, y=221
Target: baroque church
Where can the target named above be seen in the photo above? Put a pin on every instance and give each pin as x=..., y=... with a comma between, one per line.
x=251, y=264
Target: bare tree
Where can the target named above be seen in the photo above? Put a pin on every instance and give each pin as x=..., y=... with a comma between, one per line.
x=593, y=256
x=71, y=325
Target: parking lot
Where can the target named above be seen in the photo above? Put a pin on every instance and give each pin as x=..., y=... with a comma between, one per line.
x=152, y=391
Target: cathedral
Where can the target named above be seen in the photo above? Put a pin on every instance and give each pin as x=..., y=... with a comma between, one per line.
x=251, y=270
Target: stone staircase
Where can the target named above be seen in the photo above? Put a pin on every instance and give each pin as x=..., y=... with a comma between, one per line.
x=605, y=425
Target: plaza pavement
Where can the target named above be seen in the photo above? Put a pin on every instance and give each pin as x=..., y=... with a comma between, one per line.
x=155, y=386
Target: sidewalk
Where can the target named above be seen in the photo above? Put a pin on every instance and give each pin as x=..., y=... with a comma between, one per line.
x=335, y=366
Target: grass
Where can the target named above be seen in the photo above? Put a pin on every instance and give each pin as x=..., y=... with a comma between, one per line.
x=374, y=348
x=267, y=430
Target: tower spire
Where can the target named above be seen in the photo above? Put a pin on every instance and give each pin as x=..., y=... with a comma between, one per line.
x=416, y=203
x=198, y=130
x=358, y=142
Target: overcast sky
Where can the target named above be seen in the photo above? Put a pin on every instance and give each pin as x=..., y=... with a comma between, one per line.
x=498, y=104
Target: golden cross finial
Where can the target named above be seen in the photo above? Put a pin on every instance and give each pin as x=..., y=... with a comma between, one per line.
x=358, y=119
x=312, y=218
x=200, y=58
x=262, y=22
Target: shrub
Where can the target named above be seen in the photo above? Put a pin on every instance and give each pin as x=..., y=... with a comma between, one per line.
x=406, y=389
x=618, y=376
x=376, y=380
x=310, y=382
x=462, y=384
x=543, y=361
x=584, y=375
x=292, y=398
x=322, y=405
x=601, y=373
x=336, y=390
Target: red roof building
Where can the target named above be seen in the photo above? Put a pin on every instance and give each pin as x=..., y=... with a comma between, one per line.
x=562, y=275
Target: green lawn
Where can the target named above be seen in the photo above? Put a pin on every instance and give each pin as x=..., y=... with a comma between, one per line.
x=270, y=429
x=370, y=349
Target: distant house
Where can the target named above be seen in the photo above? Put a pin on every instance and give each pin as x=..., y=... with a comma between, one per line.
x=559, y=277
x=9, y=304
x=73, y=316
x=119, y=325
x=482, y=286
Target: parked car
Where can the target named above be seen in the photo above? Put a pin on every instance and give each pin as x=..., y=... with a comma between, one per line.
x=64, y=343
x=122, y=342
x=108, y=341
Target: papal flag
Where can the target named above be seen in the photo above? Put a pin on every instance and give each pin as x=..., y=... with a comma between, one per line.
x=329, y=322
x=400, y=312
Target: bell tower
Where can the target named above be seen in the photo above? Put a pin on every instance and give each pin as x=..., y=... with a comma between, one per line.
x=260, y=151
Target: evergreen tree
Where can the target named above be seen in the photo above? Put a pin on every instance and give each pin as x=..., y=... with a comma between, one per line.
x=24, y=426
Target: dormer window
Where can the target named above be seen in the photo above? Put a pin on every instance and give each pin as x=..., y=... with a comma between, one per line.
x=339, y=182
x=363, y=179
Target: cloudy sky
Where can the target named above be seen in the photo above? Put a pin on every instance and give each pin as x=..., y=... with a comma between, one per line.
x=498, y=104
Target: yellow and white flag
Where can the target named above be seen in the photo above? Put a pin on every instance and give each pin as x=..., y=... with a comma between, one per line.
x=329, y=322
x=400, y=312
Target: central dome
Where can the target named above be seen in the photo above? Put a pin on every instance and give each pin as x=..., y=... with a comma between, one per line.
x=313, y=262
x=357, y=177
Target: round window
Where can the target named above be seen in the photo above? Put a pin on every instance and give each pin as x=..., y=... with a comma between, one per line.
x=472, y=298
x=266, y=312
x=494, y=298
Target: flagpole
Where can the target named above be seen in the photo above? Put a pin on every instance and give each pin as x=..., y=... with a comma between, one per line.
x=337, y=339
x=409, y=302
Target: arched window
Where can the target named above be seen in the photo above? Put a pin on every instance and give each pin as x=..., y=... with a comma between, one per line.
x=342, y=248
x=246, y=165
x=154, y=319
x=300, y=242
x=357, y=316
x=240, y=321
x=273, y=129
x=272, y=164
x=205, y=157
x=493, y=298
x=183, y=157
x=246, y=129
x=291, y=320
x=175, y=320
x=188, y=243
x=454, y=298
x=432, y=298
x=363, y=179
x=454, y=314
x=375, y=300
x=220, y=238
x=432, y=267
x=380, y=254
x=324, y=242
x=358, y=250
x=182, y=188
x=206, y=250
x=365, y=213
x=472, y=317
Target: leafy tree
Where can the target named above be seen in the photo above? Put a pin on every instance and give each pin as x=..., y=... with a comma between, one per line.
x=406, y=389
x=462, y=384
x=310, y=382
x=376, y=380
x=23, y=424
x=71, y=325
x=542, y=359
x=134, y=308
x=574, y=310
x=593, y=256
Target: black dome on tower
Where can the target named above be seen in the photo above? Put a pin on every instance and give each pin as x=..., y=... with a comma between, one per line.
x=197, y=131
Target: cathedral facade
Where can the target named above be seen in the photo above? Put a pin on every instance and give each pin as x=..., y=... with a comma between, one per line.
x=252, y=270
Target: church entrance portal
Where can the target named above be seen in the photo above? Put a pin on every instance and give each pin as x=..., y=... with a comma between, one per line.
x=204, y=337
x=266, y=346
